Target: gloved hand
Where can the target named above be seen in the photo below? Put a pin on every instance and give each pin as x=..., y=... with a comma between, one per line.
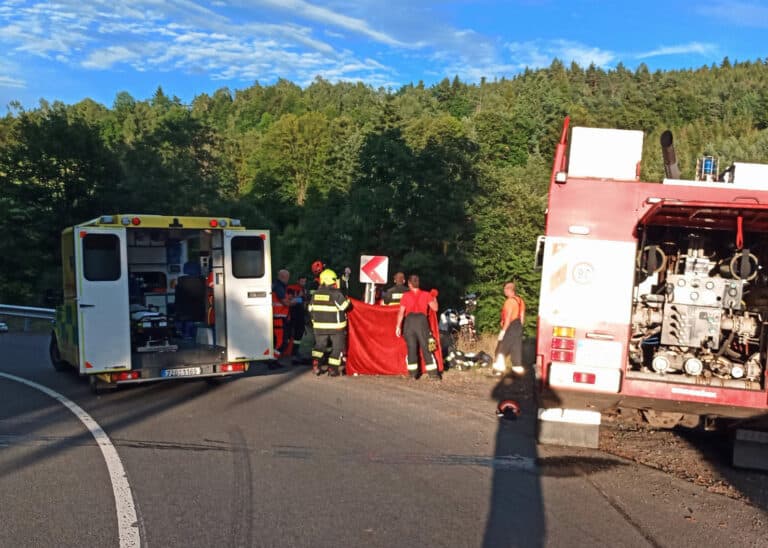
x=501, y=334
x=434, y=292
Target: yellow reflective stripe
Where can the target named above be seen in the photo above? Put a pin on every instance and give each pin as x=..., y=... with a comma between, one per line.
x=318, y=354
x=327, y=325
x=321, y=297
x=344, y=305
x=412, y=366
x=431, y=367
x=334, y=361
x=323, y=308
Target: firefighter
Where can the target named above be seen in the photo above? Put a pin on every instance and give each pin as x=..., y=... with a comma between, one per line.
x=281, y=303
x=328, y=311
x=296, y=317
x=414, y=306
x=393, y=295
x=511, y=334
x=317, y=267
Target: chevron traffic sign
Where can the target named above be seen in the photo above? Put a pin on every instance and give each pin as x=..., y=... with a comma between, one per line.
x=373, y=269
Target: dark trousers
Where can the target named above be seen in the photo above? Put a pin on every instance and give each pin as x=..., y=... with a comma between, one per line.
x=512, y=343
x=416, y=333
x=338, y=342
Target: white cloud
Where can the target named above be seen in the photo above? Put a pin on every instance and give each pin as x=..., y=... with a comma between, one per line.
x=682, y=49
x=536, y=54
x=108, y=57
x=10, y=82
x=746, y=14
x=324, y=15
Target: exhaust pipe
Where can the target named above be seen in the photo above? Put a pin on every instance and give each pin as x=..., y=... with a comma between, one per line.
x=668, y=153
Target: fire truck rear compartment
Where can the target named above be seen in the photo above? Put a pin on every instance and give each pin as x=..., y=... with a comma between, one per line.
x=700, y=302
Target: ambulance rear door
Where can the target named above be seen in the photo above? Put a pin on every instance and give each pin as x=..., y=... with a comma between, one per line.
x=104, y=331
x=248, y=287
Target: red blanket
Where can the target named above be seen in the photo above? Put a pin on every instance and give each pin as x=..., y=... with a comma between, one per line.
x=373, y=348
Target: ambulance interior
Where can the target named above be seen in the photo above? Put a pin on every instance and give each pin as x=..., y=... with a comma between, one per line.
x=174, y=309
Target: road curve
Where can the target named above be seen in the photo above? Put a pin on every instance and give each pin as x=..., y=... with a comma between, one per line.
x=286, y=459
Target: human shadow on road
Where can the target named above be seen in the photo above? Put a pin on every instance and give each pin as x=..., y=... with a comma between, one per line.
x=517, y=506
x=516, y=513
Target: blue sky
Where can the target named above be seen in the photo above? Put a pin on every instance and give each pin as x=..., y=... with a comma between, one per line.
x=72, y=49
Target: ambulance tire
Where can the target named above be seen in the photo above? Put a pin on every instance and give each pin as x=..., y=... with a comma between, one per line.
x=55, y=356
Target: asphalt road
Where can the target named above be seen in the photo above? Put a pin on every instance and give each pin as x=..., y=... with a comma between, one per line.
x=286, y=459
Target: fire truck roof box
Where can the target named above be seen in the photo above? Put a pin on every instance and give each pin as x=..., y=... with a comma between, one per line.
x=605, y=153
x=753, y=176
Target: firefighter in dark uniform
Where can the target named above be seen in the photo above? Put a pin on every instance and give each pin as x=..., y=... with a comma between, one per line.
x=328, y=311
x=393, y=295
x=412, y=316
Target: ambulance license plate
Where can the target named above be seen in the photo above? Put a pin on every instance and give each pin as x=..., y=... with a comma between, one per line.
x=181, y=372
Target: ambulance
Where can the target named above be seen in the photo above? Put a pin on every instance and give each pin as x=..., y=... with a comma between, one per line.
x=156, y=297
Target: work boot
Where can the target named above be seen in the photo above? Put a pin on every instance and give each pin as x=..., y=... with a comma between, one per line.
x=316, y=368
x=435, y=376
x=334, y=372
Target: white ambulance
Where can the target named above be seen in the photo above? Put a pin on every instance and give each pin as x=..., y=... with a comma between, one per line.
x=153, y=297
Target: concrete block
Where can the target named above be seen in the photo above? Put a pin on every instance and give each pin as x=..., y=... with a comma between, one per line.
x=569, y=427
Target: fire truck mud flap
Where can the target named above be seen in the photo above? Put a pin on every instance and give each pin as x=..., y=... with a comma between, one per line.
x=750, y=449
x=569, y=427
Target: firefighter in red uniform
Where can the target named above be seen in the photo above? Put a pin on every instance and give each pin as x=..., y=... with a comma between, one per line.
x=328, y=310
x=414, y=306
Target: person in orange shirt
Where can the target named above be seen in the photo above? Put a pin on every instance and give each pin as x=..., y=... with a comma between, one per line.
x=510, y=343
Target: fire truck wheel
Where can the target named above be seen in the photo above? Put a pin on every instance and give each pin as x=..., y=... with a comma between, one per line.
x=55, y=356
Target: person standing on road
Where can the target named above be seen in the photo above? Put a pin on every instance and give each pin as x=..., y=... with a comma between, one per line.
x=393, y=295
x=281, y=303
x=328, y=311
x=510, y=343
x=296, y=316
x=414, y=307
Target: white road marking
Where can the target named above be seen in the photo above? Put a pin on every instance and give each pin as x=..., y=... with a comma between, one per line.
x=127, y=521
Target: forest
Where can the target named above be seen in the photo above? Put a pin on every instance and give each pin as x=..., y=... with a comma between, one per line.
x=449, y=180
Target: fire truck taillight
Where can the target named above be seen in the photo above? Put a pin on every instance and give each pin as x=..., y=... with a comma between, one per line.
x=135, y=221
x=213, y=223
x=561, y=343
x=584, y=378
x=561, y=355
x=568, y=332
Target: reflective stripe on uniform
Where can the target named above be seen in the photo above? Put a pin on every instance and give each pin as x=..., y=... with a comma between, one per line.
x=321, y=297
x=412, y=366
x=323, y=308
x=318, y=353
x=431, y=366
x=334, y=361
x=326, y=325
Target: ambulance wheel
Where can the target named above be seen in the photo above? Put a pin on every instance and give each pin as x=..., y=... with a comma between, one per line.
x=55, y=356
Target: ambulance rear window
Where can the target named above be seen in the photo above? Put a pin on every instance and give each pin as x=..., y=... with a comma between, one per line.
x=247, y=257
x=101, y=257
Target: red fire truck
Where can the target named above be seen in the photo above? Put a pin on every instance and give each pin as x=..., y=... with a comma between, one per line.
x=654, y=296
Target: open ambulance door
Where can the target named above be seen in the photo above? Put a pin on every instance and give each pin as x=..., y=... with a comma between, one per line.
x=104, y=329
x=248, y=287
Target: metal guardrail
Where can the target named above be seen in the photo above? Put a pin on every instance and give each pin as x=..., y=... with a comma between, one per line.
x=27, y=312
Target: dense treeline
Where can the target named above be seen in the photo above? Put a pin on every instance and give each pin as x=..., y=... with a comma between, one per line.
x=449, y=181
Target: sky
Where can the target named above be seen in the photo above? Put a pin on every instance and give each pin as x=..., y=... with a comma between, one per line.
x=70, y=50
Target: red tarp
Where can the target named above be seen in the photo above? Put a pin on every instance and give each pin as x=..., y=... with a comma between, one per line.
x=373, y=348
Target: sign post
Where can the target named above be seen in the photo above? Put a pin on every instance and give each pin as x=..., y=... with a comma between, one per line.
x=373, y=271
